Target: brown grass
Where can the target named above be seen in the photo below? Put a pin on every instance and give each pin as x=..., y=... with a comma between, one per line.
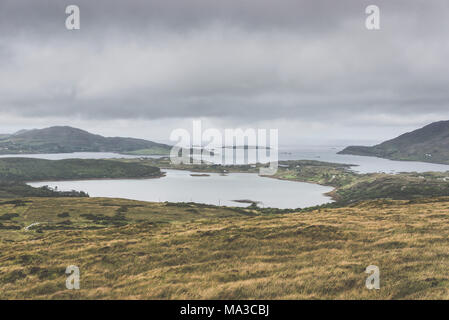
x=215, y=253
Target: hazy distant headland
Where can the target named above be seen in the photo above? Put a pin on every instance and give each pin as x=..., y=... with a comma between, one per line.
x=64, y=139
x=428, y=144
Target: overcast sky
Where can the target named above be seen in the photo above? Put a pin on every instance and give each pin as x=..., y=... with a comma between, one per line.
x=143, y=68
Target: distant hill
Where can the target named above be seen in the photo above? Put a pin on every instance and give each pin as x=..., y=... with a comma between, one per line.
x=63, y=139
x=429, y=144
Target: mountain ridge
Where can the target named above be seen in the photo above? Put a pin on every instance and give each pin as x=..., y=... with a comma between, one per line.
x=66, y=139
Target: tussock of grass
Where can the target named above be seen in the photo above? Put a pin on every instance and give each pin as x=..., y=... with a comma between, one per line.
x=203, y=252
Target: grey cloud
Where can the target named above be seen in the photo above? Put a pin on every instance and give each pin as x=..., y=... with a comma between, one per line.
x=253, y=60
x=45, y=15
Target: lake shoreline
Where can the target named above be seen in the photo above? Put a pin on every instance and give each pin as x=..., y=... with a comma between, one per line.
x=178, y=186
x=163, y=174
x=330, y=194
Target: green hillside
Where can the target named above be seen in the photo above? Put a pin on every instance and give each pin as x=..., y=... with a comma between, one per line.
x=429, y=144
x=28, y=169
x=67, y=139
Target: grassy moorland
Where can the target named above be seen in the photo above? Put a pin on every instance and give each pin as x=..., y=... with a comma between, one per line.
x=129, y=249
x=139, y=250
x=21, y=189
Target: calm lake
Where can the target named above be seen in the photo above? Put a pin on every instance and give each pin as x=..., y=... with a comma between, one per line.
x=326, y=154
x=180, y=186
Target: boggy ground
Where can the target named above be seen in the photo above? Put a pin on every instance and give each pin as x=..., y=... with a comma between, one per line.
x=138, y=250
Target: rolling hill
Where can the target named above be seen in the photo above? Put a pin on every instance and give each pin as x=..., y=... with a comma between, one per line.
x=429, y=144
x=64, y=139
